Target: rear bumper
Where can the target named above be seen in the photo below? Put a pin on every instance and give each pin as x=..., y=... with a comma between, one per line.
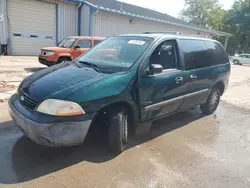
x=46, y=62
x=56, y=134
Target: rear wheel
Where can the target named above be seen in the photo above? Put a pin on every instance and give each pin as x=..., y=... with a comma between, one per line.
x=63, y=59
x=118, y=130
x=212, y=102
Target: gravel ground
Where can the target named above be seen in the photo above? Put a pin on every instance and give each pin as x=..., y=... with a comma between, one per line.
x=13, y=70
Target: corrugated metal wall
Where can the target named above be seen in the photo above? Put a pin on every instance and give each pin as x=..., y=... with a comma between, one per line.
x=85, y=20
x=105, y=24
x=3, y=23
x=67, y=20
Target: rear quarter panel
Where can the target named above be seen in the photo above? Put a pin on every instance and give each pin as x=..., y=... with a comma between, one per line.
x=221, y=73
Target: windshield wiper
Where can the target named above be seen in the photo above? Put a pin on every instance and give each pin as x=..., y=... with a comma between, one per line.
x=92, y=65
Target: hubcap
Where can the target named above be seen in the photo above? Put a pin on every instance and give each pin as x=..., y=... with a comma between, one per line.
x=214, y=100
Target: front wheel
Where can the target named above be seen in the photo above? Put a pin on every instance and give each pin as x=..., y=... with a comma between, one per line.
x=212, y=102
x=118, y=130
x=63, y=59
x=236, y=62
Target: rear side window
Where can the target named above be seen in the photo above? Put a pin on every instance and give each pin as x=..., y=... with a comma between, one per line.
x=84, y=43
x=244, y=56
x=97, y=42
x=194, y=52
x=216, y=53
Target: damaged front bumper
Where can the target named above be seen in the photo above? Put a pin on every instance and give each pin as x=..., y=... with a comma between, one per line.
x=49, y=130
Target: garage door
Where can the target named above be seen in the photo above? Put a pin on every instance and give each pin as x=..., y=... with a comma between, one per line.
x=32, y=26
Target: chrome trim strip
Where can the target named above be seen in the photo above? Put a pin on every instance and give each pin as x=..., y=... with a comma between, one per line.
x=175, y=99
x=163, y=103
x=196, y=93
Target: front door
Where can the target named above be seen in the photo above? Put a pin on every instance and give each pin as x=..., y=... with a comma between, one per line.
x=247, y=59
x=162, y=94
x=244, y=59
x=80, y=47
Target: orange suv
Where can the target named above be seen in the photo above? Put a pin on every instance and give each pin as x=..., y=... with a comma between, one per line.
x=69, y=49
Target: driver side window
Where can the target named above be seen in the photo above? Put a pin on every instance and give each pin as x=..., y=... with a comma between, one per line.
x=84, y=43
x=165, y=55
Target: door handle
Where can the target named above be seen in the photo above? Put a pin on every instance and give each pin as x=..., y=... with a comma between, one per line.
x=179, y=80
x=193, y=77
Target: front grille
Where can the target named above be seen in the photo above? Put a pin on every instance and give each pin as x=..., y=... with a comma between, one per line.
x=27, y=101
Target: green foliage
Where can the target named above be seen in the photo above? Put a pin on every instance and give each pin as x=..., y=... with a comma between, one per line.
x=237, y=21
x=210, y=15
x=198, y=11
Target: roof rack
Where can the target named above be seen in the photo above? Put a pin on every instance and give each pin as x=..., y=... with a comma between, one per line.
x=164, y=32
x=201, y=36
x=177, y=33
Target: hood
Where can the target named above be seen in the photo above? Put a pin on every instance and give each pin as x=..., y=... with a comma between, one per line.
x=59, y=81
x=56, y=49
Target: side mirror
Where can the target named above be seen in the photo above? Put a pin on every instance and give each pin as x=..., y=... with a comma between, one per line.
x=155, y=69
x=77, y=47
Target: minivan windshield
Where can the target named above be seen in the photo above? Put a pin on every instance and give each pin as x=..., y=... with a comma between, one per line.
x=116, y=53
x=67, y=43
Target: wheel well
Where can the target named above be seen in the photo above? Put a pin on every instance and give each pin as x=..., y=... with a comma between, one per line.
x=220, y=86
x=103, y=115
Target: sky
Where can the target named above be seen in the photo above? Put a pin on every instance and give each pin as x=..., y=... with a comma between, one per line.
x=168, y=7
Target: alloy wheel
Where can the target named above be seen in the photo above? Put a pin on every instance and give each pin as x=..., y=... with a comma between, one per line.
x=214, y=100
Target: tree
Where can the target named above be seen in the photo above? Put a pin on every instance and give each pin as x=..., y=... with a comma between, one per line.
x=237, y=22
x=216, y=19
x=210, y=15
x=200, y=12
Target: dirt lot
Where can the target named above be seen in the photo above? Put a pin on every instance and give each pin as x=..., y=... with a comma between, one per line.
x=184, y=150
x=13, y=70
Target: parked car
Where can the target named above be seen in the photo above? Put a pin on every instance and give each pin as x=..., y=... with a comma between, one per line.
x=241, y=59
x=69, y=49
x=124, y=81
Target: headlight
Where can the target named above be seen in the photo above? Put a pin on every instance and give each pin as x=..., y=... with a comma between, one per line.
x=60, y=108
x=46, y=53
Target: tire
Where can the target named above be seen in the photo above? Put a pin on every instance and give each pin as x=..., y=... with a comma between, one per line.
x=236, y=62
x=62, y=59
x=212, y=102
x=118, y=131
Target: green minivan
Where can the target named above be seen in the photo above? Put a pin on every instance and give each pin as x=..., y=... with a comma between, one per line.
x=126, y=80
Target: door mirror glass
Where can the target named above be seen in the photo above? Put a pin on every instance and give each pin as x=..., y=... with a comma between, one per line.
x=155, y=69
x=77, y=47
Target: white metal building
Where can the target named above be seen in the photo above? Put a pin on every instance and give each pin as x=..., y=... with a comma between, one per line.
x=28, y=25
